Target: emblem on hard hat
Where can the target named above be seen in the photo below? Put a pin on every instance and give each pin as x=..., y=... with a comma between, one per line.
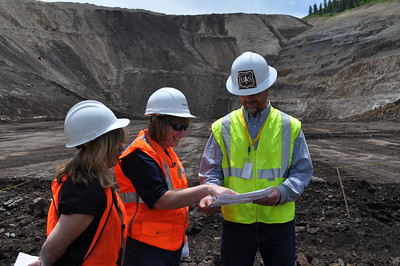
x=246, y=79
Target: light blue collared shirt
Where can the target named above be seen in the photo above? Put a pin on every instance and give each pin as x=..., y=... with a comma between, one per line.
x=300, y=170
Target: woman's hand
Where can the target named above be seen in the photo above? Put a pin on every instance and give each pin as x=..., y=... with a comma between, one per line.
x=36, y=263
x=204, y=206
x=215, y=191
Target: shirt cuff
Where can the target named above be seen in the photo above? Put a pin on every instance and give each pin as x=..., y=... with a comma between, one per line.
x=282, y=189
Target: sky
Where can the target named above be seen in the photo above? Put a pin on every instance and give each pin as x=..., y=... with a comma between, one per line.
x=296, y=8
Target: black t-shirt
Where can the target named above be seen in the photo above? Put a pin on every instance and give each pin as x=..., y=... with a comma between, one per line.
x=81, y=199
x=145, y=175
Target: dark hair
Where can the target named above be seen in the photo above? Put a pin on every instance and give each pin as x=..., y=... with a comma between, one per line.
x=159, y=123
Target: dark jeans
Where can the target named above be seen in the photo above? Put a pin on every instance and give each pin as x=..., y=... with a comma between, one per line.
x=275, y=242
x=141, y=254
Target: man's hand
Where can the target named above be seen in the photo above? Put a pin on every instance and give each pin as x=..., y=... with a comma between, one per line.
x=270, y=200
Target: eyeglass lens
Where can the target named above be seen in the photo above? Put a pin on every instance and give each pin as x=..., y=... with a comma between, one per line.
x=179, y=127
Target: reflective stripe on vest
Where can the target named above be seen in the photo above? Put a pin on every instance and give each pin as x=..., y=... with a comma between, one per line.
x=270, y=163
x=133, y=196
x=269, y=174
x=160, y=228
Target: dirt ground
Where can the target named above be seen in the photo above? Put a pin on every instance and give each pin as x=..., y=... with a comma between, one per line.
x=348, y=215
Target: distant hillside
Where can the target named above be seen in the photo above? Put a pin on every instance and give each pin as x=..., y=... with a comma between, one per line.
x=331, y=7
x=55, y=54
x=344, y=65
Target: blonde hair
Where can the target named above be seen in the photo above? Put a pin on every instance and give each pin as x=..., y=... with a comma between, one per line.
x=92, y=162
x=158, y=125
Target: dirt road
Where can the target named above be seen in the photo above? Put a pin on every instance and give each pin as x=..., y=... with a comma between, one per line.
x=368, y=150
x=364, y=155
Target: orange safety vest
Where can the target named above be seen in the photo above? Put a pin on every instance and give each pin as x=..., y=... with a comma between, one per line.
x=160, y=228
x=109, y=240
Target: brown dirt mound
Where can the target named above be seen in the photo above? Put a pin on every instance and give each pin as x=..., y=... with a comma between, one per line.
x=326, y=234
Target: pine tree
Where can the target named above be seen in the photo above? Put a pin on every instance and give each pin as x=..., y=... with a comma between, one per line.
x=315, y=9
x=330, y=7
x=335, y=6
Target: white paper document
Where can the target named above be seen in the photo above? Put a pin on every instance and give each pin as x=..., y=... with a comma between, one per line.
x=248, y=197
x=24, y=259
x=185, y=250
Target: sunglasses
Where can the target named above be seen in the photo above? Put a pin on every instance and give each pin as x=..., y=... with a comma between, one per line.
x=179, y=127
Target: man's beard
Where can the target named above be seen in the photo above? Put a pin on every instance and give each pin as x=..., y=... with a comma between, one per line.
x=252, y=110
x=254, y=106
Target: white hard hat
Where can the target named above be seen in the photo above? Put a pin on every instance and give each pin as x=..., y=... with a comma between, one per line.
x=250, y=74
x=168, y=101
x=88, y=120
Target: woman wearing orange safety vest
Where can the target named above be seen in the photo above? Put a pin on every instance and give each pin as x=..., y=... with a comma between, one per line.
x=152, y=183
x=85, y=224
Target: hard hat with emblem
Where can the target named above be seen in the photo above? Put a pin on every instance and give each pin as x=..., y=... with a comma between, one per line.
x=88, y=120
x=250, y=74
x=168, y=101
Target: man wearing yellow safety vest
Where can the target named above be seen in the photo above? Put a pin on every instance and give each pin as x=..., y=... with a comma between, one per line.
x=251, y=148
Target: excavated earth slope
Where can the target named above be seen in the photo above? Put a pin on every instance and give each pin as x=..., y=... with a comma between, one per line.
x=344, y=65
x=55, y=54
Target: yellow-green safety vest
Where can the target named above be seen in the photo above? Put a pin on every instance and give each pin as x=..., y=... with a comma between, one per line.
x=270, y=163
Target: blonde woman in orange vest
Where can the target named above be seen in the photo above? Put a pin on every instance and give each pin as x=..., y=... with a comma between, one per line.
x=152, y=183
x=85, y=223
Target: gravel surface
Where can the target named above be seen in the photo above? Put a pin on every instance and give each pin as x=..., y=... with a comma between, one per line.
x=349, y=215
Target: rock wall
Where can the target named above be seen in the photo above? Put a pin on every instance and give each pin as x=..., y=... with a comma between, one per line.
x=53, y=55
x=344, y=65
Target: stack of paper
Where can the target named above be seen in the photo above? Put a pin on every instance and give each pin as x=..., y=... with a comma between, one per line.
x=24, y=259
x=225, y=199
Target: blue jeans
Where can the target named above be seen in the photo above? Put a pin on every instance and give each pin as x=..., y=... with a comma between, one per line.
x=275, y=242
x=140, y=254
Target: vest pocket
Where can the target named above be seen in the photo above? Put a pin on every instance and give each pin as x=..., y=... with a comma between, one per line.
x=155, y=229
